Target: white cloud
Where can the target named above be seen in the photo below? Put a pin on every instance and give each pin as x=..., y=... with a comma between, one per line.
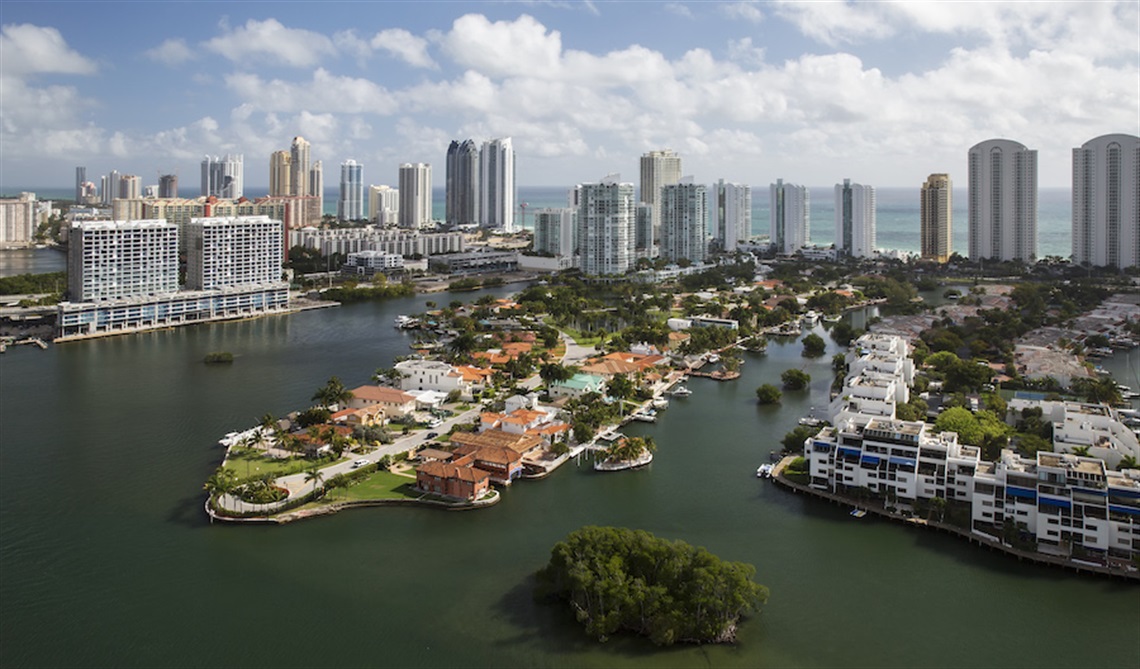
x=405, y=46
x=347, y=41
x=270, y=42
x=746, y=10
x=325, y=92
x=679, y=9
x=503, y=48
x=171, y=52
x=28, y=49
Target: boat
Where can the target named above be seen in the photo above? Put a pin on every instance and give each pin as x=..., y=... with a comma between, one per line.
x=858, y=513
x=681, y=391
x=764, y=471
x=810, y=319
x=833, y=319
x=645, y=416
x=407, y=322
x=660, y=403
x=811, y=421
x=621, y=465
x=713, y=358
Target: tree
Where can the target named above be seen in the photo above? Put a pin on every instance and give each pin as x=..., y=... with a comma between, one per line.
x=552, y=373
x=332, y=393
x=795, y=379
x=1127, y=462
x=389, y=376
x=620, y=388
x=768, y=394
x=315, y=476
x=814, y=346
x=794, y=440
x=221, y=482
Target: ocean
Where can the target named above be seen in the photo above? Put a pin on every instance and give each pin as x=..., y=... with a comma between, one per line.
x=897, y=214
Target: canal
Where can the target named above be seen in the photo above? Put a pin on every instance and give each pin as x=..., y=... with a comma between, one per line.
x=106, y=558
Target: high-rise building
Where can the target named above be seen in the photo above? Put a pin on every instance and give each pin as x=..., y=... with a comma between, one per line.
x=415, y=195
x=605, y=226
x=18, y=221
x=383, y=205
x=1002, y=201
x=790, y=215
x=658, y=168
x=644, y=240
x=168, y=185
x=555, y=231
x=281, y=173
x=497, y=193
x=111, y=260
x=299, y=176
x=854, y=220
x=462, y=187
x=731, y=210
x=233, y=251
x=130, y=186
x=350, y=207
x=223, y=177
x=317, y=189
x=109, y=187
x=684, y=221
x=1106, y=202
x=937, y=218
x=80, y=179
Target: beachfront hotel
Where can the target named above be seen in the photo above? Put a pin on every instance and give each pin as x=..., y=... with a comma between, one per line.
x=1106, y=202
x=1002, y=201
x=123, y=275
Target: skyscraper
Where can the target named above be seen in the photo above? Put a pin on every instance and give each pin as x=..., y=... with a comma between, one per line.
x=497, y=184
x=110, y=260
x=790, y=214
x=415, y=195
x=168, y=185
x=350, y=207
x=684, y=221
x=281, y=174
x=383, y=205
x=80, y=179
x=937, y=218
x=1106, y=202
x=109, y=188
x=316, y=188
x=462, y=186
x=299, y=176
x=644, y=240
x=605, y=226
x=223, y=177
x=130, y=186
x=233, y=251
x=1002, y=201
x=658, y=168
x=854, y=220
x=731, y=209
x=555, y=231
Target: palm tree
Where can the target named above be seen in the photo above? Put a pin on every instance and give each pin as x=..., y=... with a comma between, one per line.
x=221, y=482
x=1127, y=462
x=332, y=393
x=388, y=376
x=314, y=475
x=268, y=425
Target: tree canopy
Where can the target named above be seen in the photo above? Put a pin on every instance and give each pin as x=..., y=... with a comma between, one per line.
x=620, y=579
x=795, y=379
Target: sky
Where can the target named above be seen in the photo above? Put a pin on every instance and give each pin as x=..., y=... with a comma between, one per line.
x=883, y=93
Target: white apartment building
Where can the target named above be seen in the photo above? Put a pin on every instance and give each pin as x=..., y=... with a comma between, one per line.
x=606, y=226
x=731, y=209
x=429, y=375
x=880, y=373
x=383, y=205
x=496, y=183
x=415, y=195
x=112, y=260
x=684, y=221
x=1002, y=201
x=1077, y=425
x=223, y=177
x=18, y=221
x=658, y=169
x=555, y=231
x=229, y=252
x=1106, y=202
x=790, y=216
x=854, y=220
x=350, y=207
x=368, y=263
x=389, y=240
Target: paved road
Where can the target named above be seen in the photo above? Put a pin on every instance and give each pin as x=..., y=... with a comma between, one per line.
x=574, y=352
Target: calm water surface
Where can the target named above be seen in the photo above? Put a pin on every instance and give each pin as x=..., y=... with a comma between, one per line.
x=106, y=558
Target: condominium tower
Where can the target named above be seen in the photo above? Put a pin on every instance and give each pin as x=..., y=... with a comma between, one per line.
x=383, y=204
x=168, y=185
x=605, y=226
x=299, y=176
x=555, y=231
x=790, y=216
x=234, y=251
x=80, y=179
x=280, y=174
x=130, y=186
x=937, y=218
x=223, y=177
x=1002, y=201
x=415, y=195
x=731, y=209
x=658, y=168
x=1106, y=202
x=684, y=221
x=350, y=207
x=462, y=183
x=854, y=220
x=497, y=193
x=113, y=260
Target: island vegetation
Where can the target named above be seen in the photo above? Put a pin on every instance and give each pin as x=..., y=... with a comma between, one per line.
x=617, y=579
x=218, y=358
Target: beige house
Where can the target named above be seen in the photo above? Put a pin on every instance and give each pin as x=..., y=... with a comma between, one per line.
x=394, y=403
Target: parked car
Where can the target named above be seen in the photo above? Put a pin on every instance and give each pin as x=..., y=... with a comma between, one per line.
x=432, y=435
x=359, y=463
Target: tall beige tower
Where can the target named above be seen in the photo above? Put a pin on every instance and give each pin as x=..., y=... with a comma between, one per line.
x=936, y=218
x=658, y=169
x=299, y=170
x=280, y=174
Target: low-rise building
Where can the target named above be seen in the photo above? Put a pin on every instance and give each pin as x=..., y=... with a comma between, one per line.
x=578, y=385
x=430, y=375
x=451, y=479
x=394, y=403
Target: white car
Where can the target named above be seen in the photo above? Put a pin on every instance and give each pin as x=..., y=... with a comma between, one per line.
x=359, y=463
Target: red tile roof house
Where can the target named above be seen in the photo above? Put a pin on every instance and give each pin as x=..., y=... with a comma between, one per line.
x=504, y=464
x=451, y=479
x=394, y=403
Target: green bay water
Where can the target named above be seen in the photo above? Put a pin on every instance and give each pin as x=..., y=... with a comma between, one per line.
x=107, y=559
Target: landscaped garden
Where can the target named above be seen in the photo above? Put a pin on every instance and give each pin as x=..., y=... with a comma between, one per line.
x=250, y=462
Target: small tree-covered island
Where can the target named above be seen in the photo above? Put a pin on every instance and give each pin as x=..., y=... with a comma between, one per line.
x=620, y=579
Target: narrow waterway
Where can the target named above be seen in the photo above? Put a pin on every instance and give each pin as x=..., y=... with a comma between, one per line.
x=106, y=558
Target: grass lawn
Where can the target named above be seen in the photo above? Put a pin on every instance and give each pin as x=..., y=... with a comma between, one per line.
x=246, y=463
x=379, y=485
